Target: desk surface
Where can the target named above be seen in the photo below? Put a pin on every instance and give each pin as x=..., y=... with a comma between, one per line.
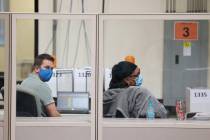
x=168, y=123
x=64, y=120
x=85, y=119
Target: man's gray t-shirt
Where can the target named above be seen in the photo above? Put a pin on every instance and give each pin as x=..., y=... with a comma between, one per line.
x=39, y=89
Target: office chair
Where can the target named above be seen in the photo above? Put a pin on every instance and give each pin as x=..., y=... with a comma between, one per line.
x=1, y=99
x=2, y=92
x=26, y=105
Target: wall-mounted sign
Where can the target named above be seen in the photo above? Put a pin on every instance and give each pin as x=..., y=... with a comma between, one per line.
x=186, y=30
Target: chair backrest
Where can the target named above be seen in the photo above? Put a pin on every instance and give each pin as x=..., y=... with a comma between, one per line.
x=26, y=105
x=2, y=92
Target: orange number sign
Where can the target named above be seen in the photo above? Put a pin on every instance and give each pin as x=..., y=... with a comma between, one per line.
x=186, y=31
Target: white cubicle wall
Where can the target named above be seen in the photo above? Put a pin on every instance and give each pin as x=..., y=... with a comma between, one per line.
x=69, y=126
x=142, y=35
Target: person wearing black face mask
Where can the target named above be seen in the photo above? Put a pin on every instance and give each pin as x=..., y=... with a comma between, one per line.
x=35, y=82
x=125, y=98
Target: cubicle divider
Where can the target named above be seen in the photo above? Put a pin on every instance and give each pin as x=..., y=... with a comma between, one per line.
x=71, y=39
x=146, y=36
x=5, y=68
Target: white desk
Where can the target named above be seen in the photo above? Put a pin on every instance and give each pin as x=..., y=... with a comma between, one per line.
x=158, y=129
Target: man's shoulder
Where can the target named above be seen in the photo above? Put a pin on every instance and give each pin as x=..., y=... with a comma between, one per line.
x=32, y=81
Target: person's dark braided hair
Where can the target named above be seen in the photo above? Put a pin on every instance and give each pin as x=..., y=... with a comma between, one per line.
x=119, y=72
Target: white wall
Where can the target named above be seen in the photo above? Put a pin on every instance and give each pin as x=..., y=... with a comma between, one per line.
x=134, y=6
x=142, y=39
x=21, y=5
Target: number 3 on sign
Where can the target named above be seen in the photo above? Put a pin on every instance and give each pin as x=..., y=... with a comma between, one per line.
x=186, y=30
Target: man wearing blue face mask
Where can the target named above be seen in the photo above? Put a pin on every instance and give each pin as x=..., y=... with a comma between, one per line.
x=35, y=82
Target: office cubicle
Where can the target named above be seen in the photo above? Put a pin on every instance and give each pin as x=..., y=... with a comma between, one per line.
x=169, y=64
x=71, y=39
x=111, y=29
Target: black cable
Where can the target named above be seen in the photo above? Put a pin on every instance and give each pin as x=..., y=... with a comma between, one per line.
x=83, y=7
x=36, y=29
x=103, y=6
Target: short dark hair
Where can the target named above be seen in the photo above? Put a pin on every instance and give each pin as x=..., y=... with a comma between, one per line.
x=39, y=59
x=119, y=72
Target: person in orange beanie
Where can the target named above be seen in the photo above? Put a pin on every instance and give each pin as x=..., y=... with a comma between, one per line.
x=130, y=58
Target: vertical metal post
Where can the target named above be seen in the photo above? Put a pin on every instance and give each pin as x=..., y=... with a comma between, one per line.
x=54, y=28
x=36, y=29
x=188, y=6
x=103, y=6
x=200, y=7
x=197, y=5
x=7, y=79
x=191, y=6
x=12, y=77
x=167, y=3
x=192, y=10
x=171, y=6
x=205, y=5
x=174, y=7
x=202, y=10
x=194, y=6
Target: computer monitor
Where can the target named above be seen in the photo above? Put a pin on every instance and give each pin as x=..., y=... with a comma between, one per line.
x=73, y=102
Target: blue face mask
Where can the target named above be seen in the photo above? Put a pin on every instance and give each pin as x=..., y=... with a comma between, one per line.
x=139, y=80
x=45, y=74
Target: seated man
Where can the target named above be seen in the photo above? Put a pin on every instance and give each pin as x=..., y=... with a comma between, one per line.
x=124, y=98
x=42, y=72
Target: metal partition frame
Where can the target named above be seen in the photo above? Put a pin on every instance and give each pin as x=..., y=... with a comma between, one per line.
x=97, y=60
x=33, y=16
x=135, y=123
x=7, y=76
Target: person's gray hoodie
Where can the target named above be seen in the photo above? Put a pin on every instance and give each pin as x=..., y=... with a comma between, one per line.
x=130, y=102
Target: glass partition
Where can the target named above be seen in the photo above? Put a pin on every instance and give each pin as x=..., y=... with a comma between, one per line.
x=55, y=73
x=4, y=65
x=172, y=53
